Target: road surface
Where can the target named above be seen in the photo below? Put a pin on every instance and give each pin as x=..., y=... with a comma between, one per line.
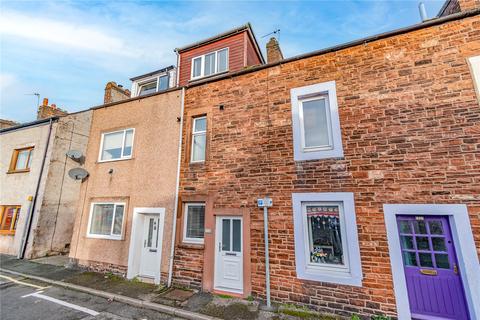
x=24, y=299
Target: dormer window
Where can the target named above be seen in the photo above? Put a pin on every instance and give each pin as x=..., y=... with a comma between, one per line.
x=158, y=84
x=147, y=88
x=210, y=63
x=156, y=81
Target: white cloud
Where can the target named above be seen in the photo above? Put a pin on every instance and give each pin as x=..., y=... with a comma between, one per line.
x=62, y=33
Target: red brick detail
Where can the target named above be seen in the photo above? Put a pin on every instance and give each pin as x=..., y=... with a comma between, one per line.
x=409, y=119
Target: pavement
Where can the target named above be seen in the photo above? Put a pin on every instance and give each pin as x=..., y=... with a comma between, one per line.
x=113, y=296
x=25, y=299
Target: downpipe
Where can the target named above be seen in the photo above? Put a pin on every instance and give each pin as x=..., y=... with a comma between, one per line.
x=177, y=188
x=28, y=222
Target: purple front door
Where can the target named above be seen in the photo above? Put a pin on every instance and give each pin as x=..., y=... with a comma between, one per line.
x=434, y=285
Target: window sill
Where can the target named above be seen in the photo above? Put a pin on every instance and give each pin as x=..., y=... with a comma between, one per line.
x=100, y=237
x=114, y=160
x=18, y=171
x=7, y=233
x=195, y=246
x=207, y=77
x=196, y=163
x=342, y=278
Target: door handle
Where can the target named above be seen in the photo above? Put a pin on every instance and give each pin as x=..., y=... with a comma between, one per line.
x=455, y=269
x=219, y=246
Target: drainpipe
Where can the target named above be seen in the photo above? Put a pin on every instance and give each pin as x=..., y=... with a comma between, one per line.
x=175, y=208
x=28, y=222
x=177, y=75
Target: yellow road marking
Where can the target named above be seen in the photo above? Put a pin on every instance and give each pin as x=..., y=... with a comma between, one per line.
x=23, y=283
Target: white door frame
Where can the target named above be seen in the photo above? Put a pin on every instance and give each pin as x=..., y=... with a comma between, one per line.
x=464, y=246
x=136, y=240
x=218, y=236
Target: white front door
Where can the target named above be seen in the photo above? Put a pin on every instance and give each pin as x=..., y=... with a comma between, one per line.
x=229, y=254
x=150, y=260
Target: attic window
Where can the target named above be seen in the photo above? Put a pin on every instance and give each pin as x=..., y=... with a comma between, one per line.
x=159, y=83
x=210, y=63
x=147, y=88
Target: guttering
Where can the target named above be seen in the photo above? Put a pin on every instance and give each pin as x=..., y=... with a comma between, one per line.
x=29, y=124
x=28, y=223
x=134, y=98
x=177, y=188
x=422, y=25
x=152, y=73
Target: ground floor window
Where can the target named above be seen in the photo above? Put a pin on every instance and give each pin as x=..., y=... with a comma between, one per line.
x=324, y=233
x=326, y=241
x=194, y=223
x=106, y=220
x=8, y=218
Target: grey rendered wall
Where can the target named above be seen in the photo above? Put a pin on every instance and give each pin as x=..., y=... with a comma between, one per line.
x=54, y=226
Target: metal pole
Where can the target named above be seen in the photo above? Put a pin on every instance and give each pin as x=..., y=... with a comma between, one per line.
x=267, y=262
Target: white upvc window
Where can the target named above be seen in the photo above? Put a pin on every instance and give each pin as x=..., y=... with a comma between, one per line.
x=106, y=220
x=116, y=145
x=150, y=85
x=194, y=223
x=475, y=69
x=210, y=63
x=326, y=240
x=199, y=139
x=316, y=123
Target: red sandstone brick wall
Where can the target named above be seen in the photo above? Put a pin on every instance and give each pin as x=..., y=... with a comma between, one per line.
x=410, y=130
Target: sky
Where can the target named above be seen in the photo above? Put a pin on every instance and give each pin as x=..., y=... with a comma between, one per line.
x=68, y=50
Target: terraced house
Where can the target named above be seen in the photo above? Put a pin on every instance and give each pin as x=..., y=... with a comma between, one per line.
x=370, y=153
x=38, y=198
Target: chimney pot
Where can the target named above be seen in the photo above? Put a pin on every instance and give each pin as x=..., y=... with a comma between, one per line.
x=45, y=101
x=54, y=106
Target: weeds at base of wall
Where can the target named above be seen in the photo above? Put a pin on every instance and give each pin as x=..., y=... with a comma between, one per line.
x=375, y=317
x=304, y=312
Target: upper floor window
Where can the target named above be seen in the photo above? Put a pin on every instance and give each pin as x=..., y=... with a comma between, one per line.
x=194, y=223
x=8, y=219
x=210, y=63
x=21, y=160
x=316, y=124
x=116, y=145
x=155, y=85
x=475, y=68
x=199, y=139
x=106, y=220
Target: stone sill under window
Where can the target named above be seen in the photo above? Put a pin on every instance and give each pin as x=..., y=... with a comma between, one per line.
x=195, y=246
x=114, y=160
x=18, y=171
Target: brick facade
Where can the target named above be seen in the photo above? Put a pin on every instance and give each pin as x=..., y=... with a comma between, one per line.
x=409, y=120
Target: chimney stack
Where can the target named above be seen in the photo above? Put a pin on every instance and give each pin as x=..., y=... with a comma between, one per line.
x=274, y=54
x=115, y=92
x=46, y=111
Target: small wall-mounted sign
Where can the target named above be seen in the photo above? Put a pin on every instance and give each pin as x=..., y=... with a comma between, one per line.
x=265, y=202
x=208, y=231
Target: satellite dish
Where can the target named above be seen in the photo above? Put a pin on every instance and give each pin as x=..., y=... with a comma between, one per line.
x=78, y=173
x=75, y=155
